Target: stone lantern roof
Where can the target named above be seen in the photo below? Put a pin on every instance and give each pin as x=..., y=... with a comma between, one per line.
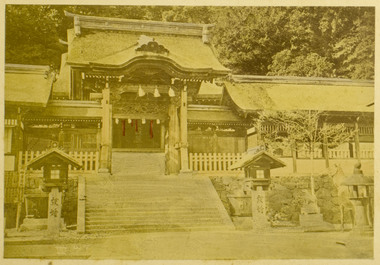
x=259, y=159
x=54, y=155
x=358, y=178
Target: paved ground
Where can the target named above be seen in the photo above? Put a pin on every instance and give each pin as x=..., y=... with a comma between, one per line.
x=232, y=245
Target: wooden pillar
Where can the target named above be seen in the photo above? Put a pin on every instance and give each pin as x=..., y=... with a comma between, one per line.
x=106, y=131
x=163, y=132
x=357, y=141
x=171, y=154
x=183, y=131
x=99, y=137
x=17, y=145
x=325, y=150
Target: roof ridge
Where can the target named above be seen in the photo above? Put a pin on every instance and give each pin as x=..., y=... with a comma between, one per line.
x=42, y=69
x=69, y=14
x=124, y=24
x=299, y=80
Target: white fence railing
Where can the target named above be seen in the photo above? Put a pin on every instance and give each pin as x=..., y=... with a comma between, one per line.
x=89, y=160
x=337, y=154
x=367, y=154
x=214, y=162
x=206, y=162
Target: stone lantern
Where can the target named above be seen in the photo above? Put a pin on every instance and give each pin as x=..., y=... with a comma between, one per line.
x=257, y=166
x=55, y=164
x=360, y=196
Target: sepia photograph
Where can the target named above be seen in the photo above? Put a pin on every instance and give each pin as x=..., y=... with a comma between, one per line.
x=188, y=132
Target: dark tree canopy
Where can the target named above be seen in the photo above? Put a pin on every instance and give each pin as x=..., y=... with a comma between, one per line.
x=295, y=41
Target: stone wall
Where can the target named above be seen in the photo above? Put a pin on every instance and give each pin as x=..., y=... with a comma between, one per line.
x=286, y=196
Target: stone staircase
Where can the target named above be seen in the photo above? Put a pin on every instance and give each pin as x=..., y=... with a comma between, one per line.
x=132, y=163
x=147, y=201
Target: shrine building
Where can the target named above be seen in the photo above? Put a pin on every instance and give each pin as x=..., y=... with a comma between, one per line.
x=130, y=87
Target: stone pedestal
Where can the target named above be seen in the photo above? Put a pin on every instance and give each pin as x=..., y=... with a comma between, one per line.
x=54, y=211
x=259, y=217
x=361, y=219
x=241, y=205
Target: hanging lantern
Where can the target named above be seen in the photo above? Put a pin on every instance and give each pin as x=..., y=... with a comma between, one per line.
x=158, y=121
x=156, y=94
x=141, y=92
x=171, y=92
x=129, y=121
x=143, y=121
x=117, y=121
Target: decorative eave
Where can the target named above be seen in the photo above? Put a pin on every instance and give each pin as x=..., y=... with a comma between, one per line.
x=168, y=64
x=120, y=24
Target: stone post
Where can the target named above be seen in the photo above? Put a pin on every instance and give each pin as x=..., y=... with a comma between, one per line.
x=361, y=217
x=259, y=218
x=54, y=211
x=81, y=210
x=259, y=213
x=183, y=131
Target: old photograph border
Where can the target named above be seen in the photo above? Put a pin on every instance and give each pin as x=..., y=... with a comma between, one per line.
x=376, y=237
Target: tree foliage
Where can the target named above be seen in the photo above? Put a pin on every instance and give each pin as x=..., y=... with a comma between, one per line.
x=297, y=41
x=301, y=127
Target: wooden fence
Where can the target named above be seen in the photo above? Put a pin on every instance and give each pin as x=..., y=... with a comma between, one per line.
x=336, y=154
x=215, y=162
x=89, y=160
x=370, y=154
x=206, y=162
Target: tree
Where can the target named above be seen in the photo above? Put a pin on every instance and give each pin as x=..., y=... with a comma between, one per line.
x=356, y=50
x=299, y=41
x=311, y=65
x=301, y=127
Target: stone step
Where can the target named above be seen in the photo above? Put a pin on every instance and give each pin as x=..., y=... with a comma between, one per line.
x=149, y=212
x=127, y=224
x=153, y=200
x=158, y=228
x=157, y=220
x=123, y=216
x=147, y=190
x=147, y=184
x=147, y=208
x=151, y=192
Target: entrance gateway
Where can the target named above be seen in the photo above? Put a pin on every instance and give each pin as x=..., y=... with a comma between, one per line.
x=144, y=73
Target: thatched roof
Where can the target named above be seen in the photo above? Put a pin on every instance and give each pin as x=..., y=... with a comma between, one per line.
x=282, y=95
x=27, y=84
